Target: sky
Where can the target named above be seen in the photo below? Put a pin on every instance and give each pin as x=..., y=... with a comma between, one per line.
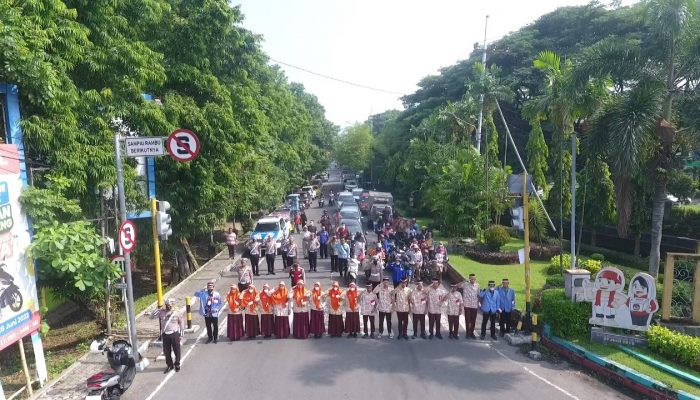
x=388, y=45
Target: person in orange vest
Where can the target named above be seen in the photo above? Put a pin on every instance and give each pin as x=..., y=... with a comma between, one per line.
x=267, y=317
x=300, y=307
x=335, y=310
x=249, y=303
x=280, y=299
x=352, y=315
x=234, y=323
x=318, y=326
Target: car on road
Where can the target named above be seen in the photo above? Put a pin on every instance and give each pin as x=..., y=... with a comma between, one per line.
x=350, y=184
x=354, y=225
x=284, y=212
x=356, y=193
x=275, y=226
x=350, y=211
x=345, y=198
x=310, y=190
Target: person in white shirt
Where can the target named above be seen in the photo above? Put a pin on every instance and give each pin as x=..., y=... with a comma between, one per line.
x=368, y=308
x=270, y=254
x=231, y=243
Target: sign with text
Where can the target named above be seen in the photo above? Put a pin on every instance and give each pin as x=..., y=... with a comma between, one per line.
x=183, y=145
x=19, y=308
x=601, y=336
x=144, y=146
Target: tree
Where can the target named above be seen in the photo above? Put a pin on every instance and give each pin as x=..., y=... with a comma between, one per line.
x=639, y=122
x=537, y=154
x=682, y=184
x=596, y=196
x=353, y=146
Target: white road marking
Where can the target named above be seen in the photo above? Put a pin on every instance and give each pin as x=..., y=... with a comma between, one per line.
x=182, y=360
x=529, y=371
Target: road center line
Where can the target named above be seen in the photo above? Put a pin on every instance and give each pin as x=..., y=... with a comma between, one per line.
x=529, y=371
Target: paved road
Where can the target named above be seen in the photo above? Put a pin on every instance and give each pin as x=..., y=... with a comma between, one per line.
x=361, y=368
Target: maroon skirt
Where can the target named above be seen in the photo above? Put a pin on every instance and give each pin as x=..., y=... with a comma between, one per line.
x=301, y=325
x=318, y=326
x=252, y=325
x=267, y=325
x=282, y=327
x=234, y=326
x=352, y=322
x=335, y=325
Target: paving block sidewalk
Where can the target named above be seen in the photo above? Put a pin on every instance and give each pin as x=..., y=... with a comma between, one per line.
x=70, y=385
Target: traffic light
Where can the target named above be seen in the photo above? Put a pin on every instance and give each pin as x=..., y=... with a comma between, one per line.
x=163, y=220
x=517, y=214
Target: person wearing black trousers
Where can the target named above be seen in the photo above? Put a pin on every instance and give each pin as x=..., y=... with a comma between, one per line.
x=254, y=247
x=314, y=245
x=270, y=254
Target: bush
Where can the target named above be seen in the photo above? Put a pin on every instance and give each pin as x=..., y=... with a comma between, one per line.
x=554, y=281
x=597, y=257
x=615, y=257
x=553, y=268
x=496, y=236
x=593, y=266
x=568, y=320
x=674, y=345
x=491, y=257
x=543, y=252
x=683, y=221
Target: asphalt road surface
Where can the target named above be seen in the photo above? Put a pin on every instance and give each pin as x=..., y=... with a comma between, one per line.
x=345, y=368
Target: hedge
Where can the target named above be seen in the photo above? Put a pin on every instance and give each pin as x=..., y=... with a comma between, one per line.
x=482, y=255
x=496, y=236
x=684, y=221
x=554, y=281
x=568, y=320
x=674, y=345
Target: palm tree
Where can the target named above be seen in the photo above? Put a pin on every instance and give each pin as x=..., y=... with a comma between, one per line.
x=564, y=102
x=637, y=124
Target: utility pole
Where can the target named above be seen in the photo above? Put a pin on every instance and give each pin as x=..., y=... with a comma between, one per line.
x=127, y=256
x=526, y=226
x=481, y=97
x=573, y=200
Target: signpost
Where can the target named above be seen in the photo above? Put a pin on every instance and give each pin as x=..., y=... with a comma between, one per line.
x=183, y=145
x=127, y=236
x=144, y=146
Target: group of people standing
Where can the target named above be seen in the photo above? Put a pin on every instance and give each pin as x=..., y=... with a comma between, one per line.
x=266, y=312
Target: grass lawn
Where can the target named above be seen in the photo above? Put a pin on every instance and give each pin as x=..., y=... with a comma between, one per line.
x=514, y=272
x=615, y=354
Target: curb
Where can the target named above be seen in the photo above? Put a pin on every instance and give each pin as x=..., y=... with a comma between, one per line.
x=626, y=376
x=82, y=358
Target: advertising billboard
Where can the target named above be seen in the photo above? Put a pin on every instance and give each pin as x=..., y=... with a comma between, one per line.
x=19, y=306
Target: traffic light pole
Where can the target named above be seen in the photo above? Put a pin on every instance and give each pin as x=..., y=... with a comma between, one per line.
x=127, y=256
x=526, y=226
x=156, y=250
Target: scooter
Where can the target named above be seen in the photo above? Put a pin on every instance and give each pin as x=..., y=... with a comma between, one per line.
x=353, y=268
x=10, y=295
x=110, y=385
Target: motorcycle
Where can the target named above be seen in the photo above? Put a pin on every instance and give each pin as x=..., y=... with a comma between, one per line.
x=10, y=295
x=353, y=268
x=110, y=385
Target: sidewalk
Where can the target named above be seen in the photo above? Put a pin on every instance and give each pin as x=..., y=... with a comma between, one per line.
x=70, y=385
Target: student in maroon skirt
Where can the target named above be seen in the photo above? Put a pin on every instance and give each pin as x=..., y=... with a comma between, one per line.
x=267, y=316
x=249, y=303
x=234, y=323
x=318, y=326
x=352, y=315
x=335, y=311
x=300, y=307
x=280, y=299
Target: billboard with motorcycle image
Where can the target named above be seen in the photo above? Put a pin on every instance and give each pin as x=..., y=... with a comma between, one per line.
x=19, y=306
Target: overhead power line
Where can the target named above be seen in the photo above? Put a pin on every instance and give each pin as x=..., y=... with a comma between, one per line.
x=338, y=79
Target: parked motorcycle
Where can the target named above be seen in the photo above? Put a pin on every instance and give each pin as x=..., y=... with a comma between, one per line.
x=10, y=295
x=110, y=385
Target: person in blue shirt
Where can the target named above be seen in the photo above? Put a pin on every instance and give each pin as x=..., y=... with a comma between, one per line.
x=490, y=307
x=397, y=272
x=506, y=295
x=209, y=306
x=323, y=238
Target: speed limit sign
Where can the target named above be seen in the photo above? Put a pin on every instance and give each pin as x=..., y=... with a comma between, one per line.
x=183, y=145
x=127, y=236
